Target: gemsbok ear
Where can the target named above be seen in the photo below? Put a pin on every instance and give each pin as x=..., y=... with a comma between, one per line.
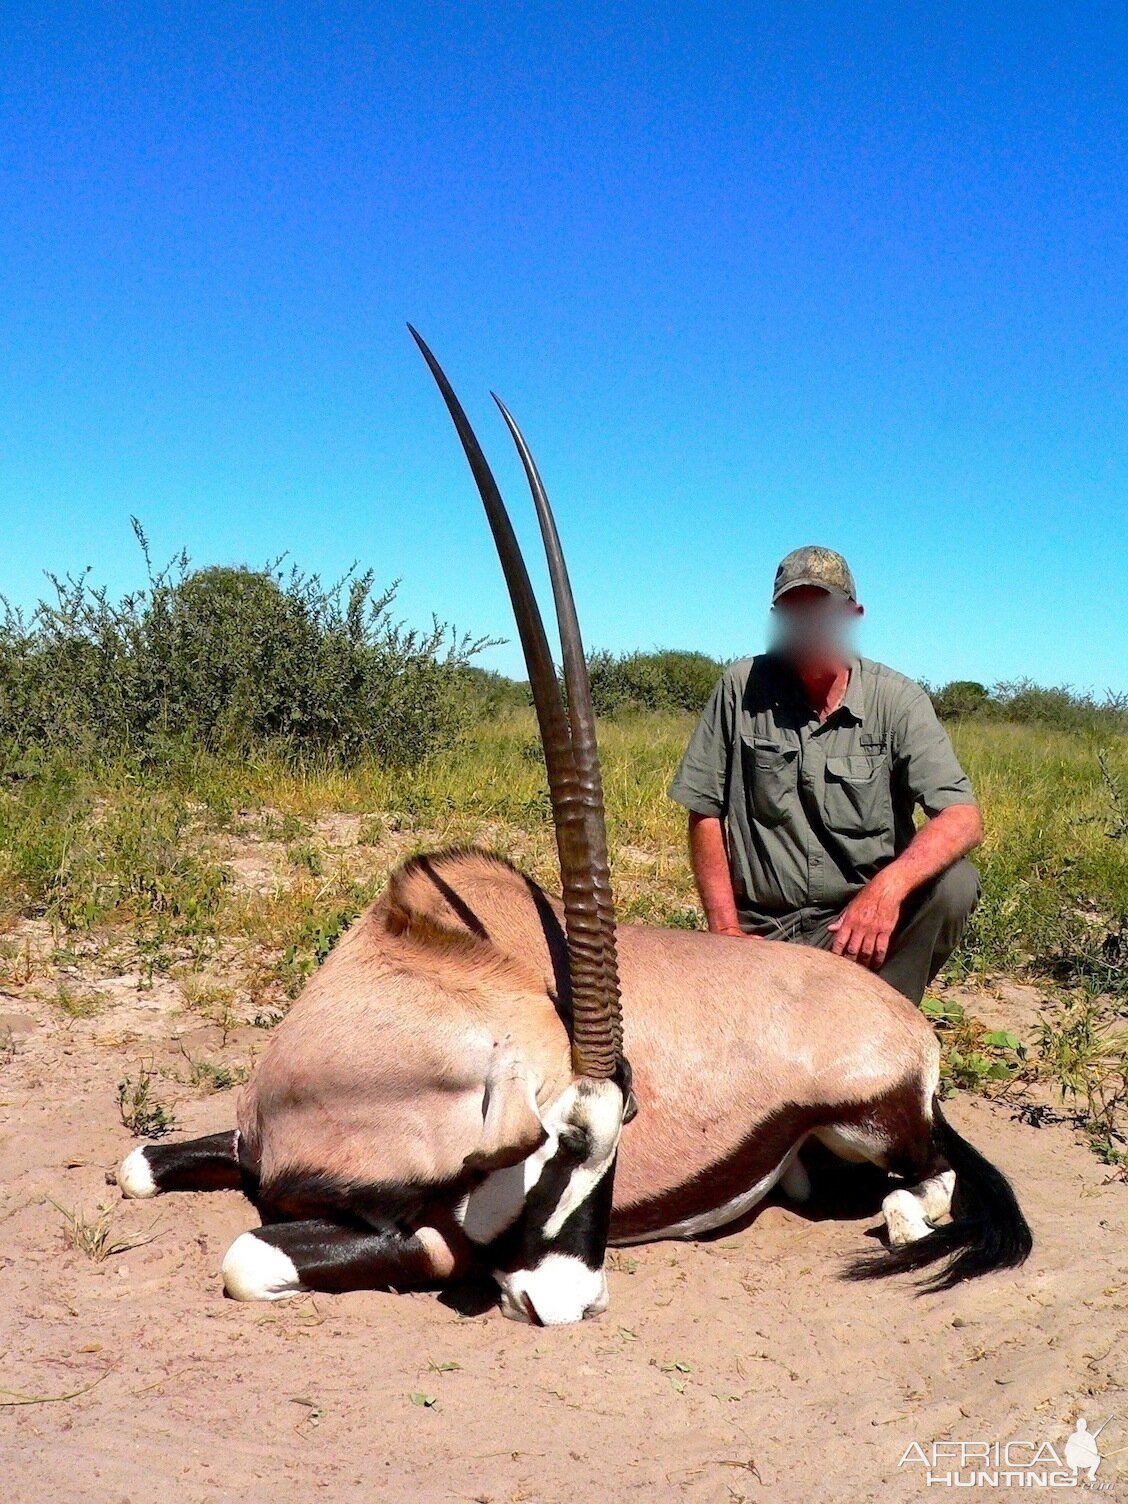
x=511, y=1125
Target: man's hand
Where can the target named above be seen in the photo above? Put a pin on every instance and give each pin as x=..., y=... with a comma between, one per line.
x=863, y=929
x=865, y=926
x=711, y=871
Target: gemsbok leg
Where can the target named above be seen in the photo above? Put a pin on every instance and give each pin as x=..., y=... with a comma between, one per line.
x=912, y=1211
x=294, y=1258
x=905, y=1132
x=210, y=1163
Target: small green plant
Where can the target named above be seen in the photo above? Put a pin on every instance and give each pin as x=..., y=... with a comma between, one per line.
x=285, y=827
x=973, y=1056
x=78, y=1004
x=213, y=1075
x=17, y=963
x=153, y=960
x=373, y=829
x=1088, y=1062
x=141, y=1112
x=316, y=938
x=306, y=855
x=1117, y=827
x=213, y=1001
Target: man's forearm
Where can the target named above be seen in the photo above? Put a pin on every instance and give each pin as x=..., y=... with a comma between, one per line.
x=941, y=841
x=711, y=873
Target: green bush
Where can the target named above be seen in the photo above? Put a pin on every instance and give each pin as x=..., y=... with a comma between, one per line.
x=1029, y=704
x=489, y=694
x=666, y=679
x=230, y=660
x=960, y=698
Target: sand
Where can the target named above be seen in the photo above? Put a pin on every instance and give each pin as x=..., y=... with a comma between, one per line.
x=742, y=1368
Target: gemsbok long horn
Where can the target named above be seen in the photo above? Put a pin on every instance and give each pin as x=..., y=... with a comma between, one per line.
x=581, y=716
x=570, y=757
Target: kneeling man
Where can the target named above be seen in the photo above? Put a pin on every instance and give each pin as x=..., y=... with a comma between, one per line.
x=801, y=780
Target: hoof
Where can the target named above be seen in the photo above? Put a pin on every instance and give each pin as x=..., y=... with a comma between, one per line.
x=256, y=1270
x=904, y=1219
x=795, y=1182
x=135, y=1176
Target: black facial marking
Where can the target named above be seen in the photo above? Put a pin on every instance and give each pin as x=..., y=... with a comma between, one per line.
x=575, y=1140
x=584, y=1233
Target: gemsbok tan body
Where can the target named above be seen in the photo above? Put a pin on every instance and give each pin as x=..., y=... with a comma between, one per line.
x=452, y=1089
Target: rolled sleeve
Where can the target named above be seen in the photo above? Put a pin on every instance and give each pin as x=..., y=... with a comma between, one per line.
x=701, y=781
x=925, y=761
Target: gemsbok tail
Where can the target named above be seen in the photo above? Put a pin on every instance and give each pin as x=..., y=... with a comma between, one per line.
x=987, y=1230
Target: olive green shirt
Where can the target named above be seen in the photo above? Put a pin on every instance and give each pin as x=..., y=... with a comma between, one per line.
x=812, y=809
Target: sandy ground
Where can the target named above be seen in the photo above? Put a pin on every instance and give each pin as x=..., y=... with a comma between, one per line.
x=737, y=1369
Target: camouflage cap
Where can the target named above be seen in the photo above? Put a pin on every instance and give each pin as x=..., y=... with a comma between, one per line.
x=820, y=567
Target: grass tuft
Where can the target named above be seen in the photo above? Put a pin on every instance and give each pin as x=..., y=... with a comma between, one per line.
x=94, y=1235
x=140, y=1110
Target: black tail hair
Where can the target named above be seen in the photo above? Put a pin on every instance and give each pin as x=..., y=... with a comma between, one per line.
x=987, y=1231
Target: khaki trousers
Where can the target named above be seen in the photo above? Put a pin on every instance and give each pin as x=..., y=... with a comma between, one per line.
x=932, y=921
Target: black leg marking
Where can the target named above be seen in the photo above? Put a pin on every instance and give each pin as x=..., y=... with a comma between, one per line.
x=332, y=1257
x=197, y=1164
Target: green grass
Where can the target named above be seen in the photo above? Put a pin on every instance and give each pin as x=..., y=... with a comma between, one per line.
x=94, y=1235
x=1054, y=862
x=141, y=1112
x=134, y=864
x=142, y=847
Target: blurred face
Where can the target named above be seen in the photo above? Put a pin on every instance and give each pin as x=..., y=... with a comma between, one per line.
x=813, y=628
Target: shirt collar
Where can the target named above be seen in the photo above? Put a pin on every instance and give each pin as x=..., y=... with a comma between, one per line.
x=852, y=701
x=854, y=698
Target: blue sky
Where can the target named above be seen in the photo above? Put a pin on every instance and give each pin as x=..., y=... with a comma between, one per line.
x=749, y=276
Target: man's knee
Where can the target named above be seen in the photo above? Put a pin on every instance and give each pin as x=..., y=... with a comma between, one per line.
x=956, y=891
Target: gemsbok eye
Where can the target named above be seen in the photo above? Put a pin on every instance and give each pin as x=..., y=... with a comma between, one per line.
x=575, y=1140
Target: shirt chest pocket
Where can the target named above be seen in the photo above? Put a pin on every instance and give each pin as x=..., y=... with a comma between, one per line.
x=857, y=800
x=770, y=775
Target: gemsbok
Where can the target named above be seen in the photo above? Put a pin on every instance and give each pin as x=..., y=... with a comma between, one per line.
x=451, y=1091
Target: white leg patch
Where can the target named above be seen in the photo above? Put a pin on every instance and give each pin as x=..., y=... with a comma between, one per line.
x=935, y=1194
x=904, y=1218
x=255, y=1270
x=795, y=1182
x=135, y=1176
x=560, y=1289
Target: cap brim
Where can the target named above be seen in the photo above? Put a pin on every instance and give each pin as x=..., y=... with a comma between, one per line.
x=835, y=591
